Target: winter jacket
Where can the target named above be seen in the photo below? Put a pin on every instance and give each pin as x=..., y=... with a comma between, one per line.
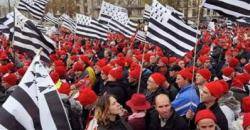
x=118, y=124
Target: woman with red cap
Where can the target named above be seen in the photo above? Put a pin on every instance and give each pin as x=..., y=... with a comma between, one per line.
x=138, y=105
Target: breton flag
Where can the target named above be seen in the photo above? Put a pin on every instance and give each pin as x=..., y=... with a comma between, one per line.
x=68, y=22
x=117, y=19
x=7, y=24
x=89, y=27
x=167, y=30
x=232, y=8
x=35, y=7
x=50, y=18
x=35, y=104
x=141, y=36
x=28, y=38
x=146, y=13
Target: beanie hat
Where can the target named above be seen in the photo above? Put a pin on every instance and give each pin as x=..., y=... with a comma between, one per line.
x=224, y=85
x=4, y=69
x=78, y=66
x=205, y=73
x=246, y=104
x=54, y=76
x=85, y=59
x=164, y=60
x=87, y=96
x=227, y=71
x=158, y=78
x=186, y=74
x=215, y=88
x=246, y=120
x=116, y=73
x=61, y=70
x=247, y=68
x=135, y=74
x=21, y=71
x=59, y=63
x=233, y=62
x=204, y=114
x=106, y=69
x=102, y=62
x=10, y=78
x=3, y=56
x=237, y=84
x=64, y=88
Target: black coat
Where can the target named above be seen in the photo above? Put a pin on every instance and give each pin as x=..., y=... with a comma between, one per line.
x=175, y=122
x=119, y=124
x=221, y=118
x=119, y=89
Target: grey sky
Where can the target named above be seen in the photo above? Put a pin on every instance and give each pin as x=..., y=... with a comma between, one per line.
x=5, y=2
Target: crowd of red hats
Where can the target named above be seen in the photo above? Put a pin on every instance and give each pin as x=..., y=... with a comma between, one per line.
x=81, y=66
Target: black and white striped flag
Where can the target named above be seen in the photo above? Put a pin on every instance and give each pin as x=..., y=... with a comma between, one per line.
x=41, y=28
x=232, y=8
x=146, y=13
x=35, y=7
x=89, y=27
x=117, y=19
x=68, y=22
x=141, y=36
x=50, y=18
x=28, y=38
x=169, y=31
x=7, y=24
x=35, y=104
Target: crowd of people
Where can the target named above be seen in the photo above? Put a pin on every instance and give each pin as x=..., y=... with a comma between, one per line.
x=104, y=85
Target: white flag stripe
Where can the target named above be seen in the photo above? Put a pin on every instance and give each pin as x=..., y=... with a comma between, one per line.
x=16, y=109
x=173, y=48
x=2, y=127
x=238, y=3
x=160, y=31
x=225, y=10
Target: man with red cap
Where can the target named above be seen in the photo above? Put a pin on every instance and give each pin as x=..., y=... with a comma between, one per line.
x=205, y=120
x=155, y=86
x=246, y=121
x=202, y=76
x=210, y=94
x=187, y=98
x=164, y=117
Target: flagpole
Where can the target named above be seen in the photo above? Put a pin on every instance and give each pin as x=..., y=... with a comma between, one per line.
x=197, y=34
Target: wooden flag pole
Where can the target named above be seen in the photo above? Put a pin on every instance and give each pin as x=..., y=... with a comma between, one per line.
x=195, y=48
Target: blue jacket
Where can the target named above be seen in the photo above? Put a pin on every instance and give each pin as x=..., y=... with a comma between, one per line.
x=186, y=99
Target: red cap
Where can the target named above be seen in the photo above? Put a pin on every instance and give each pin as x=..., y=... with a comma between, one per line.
x=233, y=62
x=54, y=76
x=204, y=114
x=21, y=71
x=246, y=104
x=205, y=73
x=78, y=66
x=237, y=84
x=87, y=96
x=203, y=59
x=164, y=60
x=3, y=56
x=61, y=70
x=186, y=74
x=64, y=88
x=106, y=69
x=224, y=85
x=85, y=59
x=134, y=66
x=215, y=88
x=246, y=120
x=59, y=63
x=247, y=68
x=74, y=58
x=172, y=60
x=4, y=69
x=116, y=73
x=138, y=102
x=135, y=74
x=227, y=71
x=10, y=78
x=102, y=62
x=158, y=78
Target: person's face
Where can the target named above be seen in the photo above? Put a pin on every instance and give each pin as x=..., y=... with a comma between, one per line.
x=163, y=106
x=97, y=69
x=131, y=80
x=248, y=128
x=199, y=80
x=151, y=85
x=104, y=76
x=206, y=124
x=206, y=95
x=180, y=81
x=181, y=64
x=114, y=107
